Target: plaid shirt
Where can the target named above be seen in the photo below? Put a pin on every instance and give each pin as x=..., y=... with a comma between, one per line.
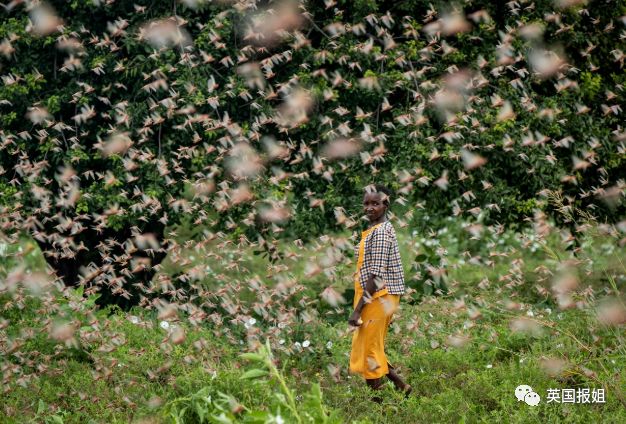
x=382, y=259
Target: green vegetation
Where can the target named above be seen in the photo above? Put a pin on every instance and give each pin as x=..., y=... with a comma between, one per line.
x=180, y=194
x=71, y=91
x=499, y=326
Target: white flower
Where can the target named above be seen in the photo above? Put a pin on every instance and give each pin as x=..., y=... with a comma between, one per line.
x=306, y=343
x=329, y=345
x=281, y=341
x=298, y=345
x=133, y=319
x=164, y=325
x=530, y=313
x=279, y=420
x=250, y=323
x=281, y=325
x=489, y=366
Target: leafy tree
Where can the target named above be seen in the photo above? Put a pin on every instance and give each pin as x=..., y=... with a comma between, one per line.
x=121, y=120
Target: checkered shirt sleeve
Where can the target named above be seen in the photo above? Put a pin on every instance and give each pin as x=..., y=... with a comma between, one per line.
x=382, y=259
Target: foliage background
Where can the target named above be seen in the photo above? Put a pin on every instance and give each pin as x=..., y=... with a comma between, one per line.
x=114, y=151
x=117, y=67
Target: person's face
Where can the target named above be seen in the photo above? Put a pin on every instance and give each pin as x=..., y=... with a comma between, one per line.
x=373, y=206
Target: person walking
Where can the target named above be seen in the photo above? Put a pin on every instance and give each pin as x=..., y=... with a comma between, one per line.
x=378, y=285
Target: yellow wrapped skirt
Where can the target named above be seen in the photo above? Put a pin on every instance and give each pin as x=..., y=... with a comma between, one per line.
x=367, y=356
x=368, y=341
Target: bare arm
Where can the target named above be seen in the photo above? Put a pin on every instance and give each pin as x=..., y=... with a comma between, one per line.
x=370, y=289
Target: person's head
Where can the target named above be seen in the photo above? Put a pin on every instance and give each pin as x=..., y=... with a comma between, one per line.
x=376, y=201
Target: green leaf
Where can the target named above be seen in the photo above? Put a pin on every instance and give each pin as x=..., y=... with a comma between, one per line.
x=252, y=356
x=257, y=417
x=222, y=418
x=254, y=373
x=201, y=411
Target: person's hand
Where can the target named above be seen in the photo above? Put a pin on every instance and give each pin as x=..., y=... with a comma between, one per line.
x=355, y=319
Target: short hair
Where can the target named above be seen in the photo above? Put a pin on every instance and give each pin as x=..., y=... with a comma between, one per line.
x=379, y=188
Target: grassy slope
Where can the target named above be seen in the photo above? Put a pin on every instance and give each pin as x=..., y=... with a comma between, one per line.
x=473, y=383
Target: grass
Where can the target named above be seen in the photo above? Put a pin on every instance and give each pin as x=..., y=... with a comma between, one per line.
x=460, y=352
